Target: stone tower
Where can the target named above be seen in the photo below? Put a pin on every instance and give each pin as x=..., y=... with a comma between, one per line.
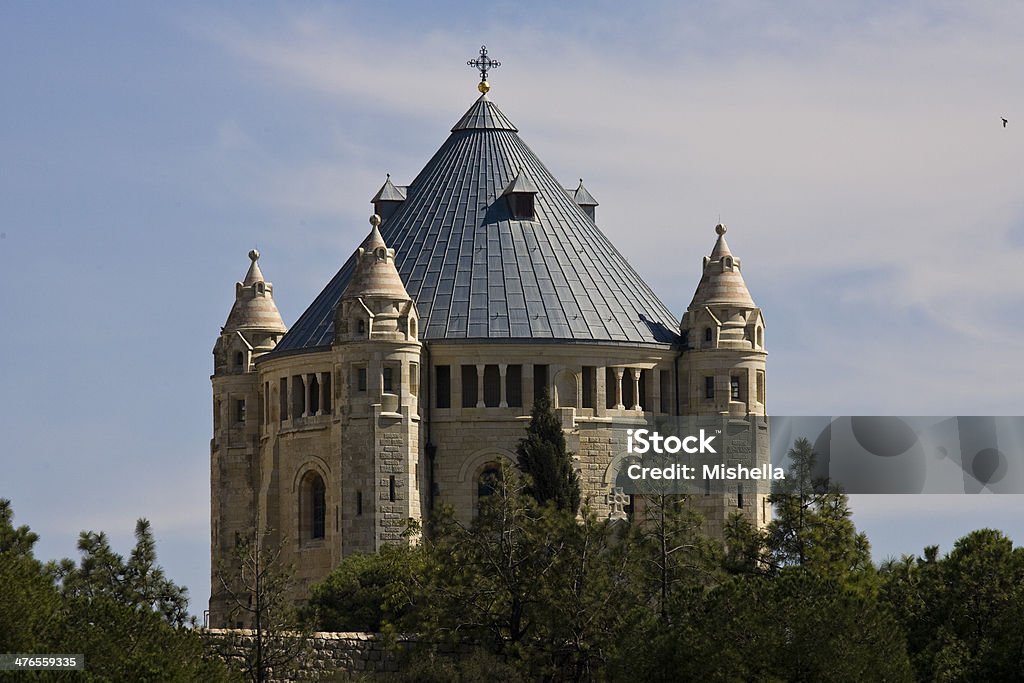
x=724, y=377
x=376, y=341
x=253, y=328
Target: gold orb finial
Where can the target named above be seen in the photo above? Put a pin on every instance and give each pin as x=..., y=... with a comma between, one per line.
x=484, y=87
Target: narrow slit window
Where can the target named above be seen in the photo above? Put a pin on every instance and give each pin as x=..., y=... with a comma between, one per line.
x=469, y=386
x=514, y=386
x=589, y=386
x=283, y=399
x=443, y=373
x=540, y=381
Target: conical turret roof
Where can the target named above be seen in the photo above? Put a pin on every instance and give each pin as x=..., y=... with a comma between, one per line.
x=477, y=273
x=721, y=283
x=375, y=274
x=254, y=307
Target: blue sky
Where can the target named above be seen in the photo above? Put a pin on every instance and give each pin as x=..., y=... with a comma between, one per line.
x=855, y=150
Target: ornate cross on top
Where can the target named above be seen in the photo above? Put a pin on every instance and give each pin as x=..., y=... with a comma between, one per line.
x=484, y=64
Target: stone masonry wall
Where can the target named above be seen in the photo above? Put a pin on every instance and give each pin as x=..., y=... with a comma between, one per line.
x=330, y=653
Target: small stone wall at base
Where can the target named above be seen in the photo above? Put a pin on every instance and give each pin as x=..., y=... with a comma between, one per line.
x=329, y=652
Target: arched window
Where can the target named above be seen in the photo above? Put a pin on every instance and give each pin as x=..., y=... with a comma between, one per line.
x=239, y=360
x=313, y=507
x=760, y=338
x=707, y=335
x=488, y=481
x=361, y=326
x=381, y=254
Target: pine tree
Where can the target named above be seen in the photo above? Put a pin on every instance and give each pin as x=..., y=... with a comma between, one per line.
x=812, y=526
x=543, y=456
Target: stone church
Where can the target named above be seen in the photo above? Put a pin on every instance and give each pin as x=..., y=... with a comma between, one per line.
x=482, y=284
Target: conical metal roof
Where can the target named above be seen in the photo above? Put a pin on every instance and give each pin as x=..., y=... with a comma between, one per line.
x=477, y=273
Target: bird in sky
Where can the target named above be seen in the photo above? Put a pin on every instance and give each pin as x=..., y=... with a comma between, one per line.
x=1004, y=122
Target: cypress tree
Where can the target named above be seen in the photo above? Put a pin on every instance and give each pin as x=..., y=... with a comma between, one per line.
x=543, y=456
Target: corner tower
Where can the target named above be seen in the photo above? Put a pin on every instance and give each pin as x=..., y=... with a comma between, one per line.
x=253, y=328
x=724, y=372
x=377, y=344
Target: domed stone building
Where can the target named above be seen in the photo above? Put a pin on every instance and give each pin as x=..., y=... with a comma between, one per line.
x=481, y=285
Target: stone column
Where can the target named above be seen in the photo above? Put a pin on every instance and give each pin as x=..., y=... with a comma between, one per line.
x=321, y=396
x=618, y=388
x=655, y=391
x=636, y=388
x=503, y=369
x=480, y=386
x=309, y=395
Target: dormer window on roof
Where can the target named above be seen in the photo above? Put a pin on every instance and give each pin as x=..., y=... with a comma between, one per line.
x=520, y=193
x=388, y=198
x=584, y=200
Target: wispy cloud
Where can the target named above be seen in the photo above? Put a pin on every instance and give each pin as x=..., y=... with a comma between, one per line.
x=829, y=140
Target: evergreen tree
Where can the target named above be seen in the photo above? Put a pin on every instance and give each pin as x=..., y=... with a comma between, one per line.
x=30, y=607
x=542, y=455
x=961, y=613
x=127, y=617
x=812, y=526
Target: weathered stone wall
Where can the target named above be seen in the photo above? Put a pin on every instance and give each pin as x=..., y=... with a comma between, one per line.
x=329, y=654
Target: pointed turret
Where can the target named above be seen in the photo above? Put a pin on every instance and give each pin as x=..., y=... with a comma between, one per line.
x=724, y=330
x=254, y=325
x=254, y=307
x=240, y=409
x=375, y=274
x=375, y=338
x=375, y=304
x=721, y=282
x=724, y=369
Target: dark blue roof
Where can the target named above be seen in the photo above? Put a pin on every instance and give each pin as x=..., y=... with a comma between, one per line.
x=477, y=273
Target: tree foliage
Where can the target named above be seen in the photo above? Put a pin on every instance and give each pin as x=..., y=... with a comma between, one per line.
x=125, y=616
x=811, y=525
x=30, y=609
x=533, y=592
x=365, y=590
x=962, y=613
x=542, y=455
